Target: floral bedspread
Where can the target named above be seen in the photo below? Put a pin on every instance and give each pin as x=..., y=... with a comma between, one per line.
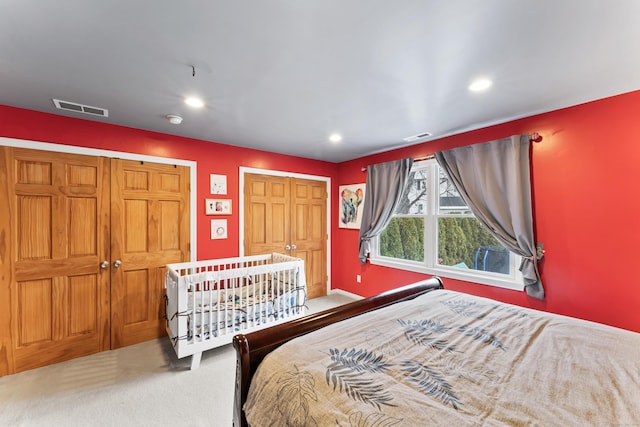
x=451, y=359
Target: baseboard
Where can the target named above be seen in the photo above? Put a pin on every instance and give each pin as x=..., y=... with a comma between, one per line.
x=345, y=293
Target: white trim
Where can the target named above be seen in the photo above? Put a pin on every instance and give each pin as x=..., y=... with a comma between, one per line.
x=473, y=276
x=243, y=170
x=71, y=149
x=346, y=294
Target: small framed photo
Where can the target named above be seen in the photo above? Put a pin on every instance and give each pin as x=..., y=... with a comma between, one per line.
x=218, y=229
x=218, y=184
x=218, y=206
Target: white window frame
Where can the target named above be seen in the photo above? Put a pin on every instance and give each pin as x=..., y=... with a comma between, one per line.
x=429, y=265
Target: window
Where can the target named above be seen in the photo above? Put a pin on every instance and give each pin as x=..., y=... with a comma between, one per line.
x=433, y=231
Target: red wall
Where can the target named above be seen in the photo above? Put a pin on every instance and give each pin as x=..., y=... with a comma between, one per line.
x=584, y=176
x=587, y=213
x=210, y=157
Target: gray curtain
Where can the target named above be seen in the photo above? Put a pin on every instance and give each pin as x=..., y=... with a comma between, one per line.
x=494, y=180
x=385, y=184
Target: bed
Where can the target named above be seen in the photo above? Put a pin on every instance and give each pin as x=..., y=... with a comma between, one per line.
x=423, y=355
x=208, y=302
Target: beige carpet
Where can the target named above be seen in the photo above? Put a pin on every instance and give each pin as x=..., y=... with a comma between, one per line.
x=139, y=385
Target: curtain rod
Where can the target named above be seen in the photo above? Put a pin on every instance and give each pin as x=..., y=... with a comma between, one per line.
x=533, y=137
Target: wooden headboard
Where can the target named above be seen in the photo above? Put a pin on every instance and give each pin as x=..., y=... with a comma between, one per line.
x=252, y=348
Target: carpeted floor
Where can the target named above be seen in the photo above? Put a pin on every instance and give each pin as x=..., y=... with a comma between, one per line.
x=139, y=385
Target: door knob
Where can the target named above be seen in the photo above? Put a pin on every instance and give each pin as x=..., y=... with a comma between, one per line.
x=294, y=247
x=104, y=264
x=117, y=263
x=287, y=248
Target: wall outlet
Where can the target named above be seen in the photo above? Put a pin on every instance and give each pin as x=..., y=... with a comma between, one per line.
x=358, y=278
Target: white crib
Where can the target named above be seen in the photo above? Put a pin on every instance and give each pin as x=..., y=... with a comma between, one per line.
x=208, y=302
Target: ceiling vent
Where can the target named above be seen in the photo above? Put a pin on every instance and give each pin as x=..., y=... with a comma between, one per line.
x=417, y=137
x=80, y=108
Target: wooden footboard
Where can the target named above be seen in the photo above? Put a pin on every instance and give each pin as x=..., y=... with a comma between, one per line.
x=253, y=347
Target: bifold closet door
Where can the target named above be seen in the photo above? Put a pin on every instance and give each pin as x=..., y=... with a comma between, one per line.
x=54, y=240
x=309, y=231
x=149, y=229
x=288, y=215
x=267, y=214
x=84, y=242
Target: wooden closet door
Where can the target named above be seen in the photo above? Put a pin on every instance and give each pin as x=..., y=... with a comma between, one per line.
x=288, y=215
x=309, y=231
x=267, y=223
x=149, y=229
x=54, y=237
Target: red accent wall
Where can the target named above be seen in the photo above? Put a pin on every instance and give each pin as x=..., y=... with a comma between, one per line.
x=584, y=177
x=211, y=157
x=586, y=208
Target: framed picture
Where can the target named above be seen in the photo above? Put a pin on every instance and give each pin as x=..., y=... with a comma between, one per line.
x=218, y=184
x=218, y=229
x=351, y=204
x=218, y=206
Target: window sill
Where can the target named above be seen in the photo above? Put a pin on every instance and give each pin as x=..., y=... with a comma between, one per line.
x=498, y=280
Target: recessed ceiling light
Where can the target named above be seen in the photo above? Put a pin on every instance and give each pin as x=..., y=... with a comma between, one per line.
x=194, y=102
x=480, y=85
x=335, y=137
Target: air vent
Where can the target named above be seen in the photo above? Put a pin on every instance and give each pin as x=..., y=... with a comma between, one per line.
x=417, y=137
x=80, y=108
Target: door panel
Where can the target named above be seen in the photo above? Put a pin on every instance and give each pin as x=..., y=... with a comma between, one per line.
x=82, y=293
x=283, y=212
x=149, y=229
x=57, y=294
x=267, y=214
x=309, y=234
x=34, y=308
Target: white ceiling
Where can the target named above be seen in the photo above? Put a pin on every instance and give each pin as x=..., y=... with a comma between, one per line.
x=282, y=75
